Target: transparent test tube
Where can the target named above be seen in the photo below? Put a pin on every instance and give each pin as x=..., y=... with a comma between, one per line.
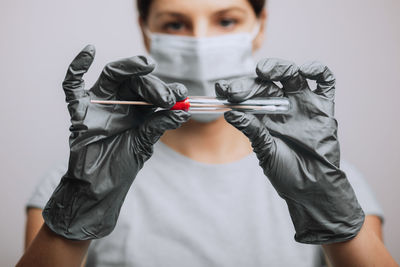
x=271, y=105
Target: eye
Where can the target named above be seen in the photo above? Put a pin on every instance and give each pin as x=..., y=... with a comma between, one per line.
x=227, y=23
x=174, y=26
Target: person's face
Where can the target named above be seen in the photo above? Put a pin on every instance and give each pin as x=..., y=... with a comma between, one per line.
x=200, y=18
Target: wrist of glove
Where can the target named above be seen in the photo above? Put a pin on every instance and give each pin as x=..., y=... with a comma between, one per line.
x=299, y=151
x=109, y=143
x=338, y=219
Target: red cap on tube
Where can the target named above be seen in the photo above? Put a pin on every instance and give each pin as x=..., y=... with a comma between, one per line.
x=182, y=105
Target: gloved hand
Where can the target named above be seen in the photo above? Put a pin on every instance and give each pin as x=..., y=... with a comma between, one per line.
x=109, y=143
x=299, y=151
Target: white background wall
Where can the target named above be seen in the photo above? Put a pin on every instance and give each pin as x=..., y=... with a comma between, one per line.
x=358, y=39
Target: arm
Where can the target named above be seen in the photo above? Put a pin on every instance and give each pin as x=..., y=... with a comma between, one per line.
x=50, y=249
x=299, y=153
x=366, y=249
x=34, y=224
x=108, y=146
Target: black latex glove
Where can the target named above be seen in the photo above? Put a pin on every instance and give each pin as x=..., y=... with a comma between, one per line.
x=299, y=151
x=109, y=143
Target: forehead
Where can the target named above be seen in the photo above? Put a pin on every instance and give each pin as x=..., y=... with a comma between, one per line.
x=194, y=7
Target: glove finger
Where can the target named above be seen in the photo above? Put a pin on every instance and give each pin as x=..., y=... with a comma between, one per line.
x=246, y=88
x=115, y=73
x=74, y=85
x=157, y=92
x=180, y=91
x=263, y=143
x=155, y=126
x=127, y=93
x=283, y=71
x=322, y=75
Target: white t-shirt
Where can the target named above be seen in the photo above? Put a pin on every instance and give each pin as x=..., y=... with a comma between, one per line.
x=180, y=212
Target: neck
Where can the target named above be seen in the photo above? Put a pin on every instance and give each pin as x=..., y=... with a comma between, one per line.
x=215, y=142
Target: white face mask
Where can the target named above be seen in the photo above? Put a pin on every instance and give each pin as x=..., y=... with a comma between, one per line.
x=199, y=62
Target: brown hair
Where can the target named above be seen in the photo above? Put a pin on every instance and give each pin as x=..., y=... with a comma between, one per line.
x=144, y=6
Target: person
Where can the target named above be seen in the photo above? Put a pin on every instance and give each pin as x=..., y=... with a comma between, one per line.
x=200, y=196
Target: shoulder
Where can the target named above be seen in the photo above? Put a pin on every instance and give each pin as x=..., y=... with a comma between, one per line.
x=46, y=185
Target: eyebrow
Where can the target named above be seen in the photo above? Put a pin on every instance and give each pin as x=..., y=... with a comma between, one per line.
x=169, y=13
x=181, y=15
x=226, y=10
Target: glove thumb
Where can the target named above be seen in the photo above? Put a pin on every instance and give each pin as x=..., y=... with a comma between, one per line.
x=73, y=84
